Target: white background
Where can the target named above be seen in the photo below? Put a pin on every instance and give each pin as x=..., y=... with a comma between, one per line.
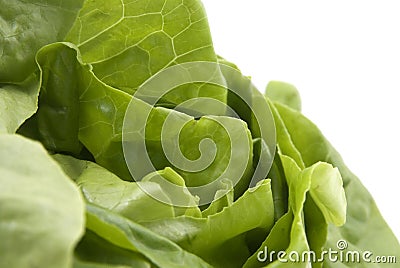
x=344, y=58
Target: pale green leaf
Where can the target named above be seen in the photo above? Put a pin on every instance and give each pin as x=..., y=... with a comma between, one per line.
x=365, y=229
x=41, y=210
x=284, y=93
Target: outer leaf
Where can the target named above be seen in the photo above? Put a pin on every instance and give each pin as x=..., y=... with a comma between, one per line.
x=41, y=210
x=121, y=38
x=26, y=26
x=284, y=93
x=129, y=235
x=327, y=191
x=333, y=207
x=365, y=229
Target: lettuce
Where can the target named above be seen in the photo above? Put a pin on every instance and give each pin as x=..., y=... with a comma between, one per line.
x=126, y=141
x=42, y=210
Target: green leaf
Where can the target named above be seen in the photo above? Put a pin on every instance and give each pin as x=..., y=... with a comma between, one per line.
x=211, y=148
x=333, y=207
x=41, y=210
x=98, y=125
x=131, y=236
x=279, y=187
x=327, y=191
x=247, y=103
x=223, y=198
x=284, y=93
x=59, y=99
x=17, y=103
x=71, y=166
x=121, y=38
x=365, y=229
x=219, y=238
x=103, y=188
x=87, y=111
x=94, y=251
x=101, y=112
x=284, y=139
x=113, y=54
x=180, y=195
x=278, y=239
x=316, y=229
x=26, y=26
x=83, y=264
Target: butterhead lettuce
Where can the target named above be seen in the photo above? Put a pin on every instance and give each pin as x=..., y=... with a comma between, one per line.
x=126, y=141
